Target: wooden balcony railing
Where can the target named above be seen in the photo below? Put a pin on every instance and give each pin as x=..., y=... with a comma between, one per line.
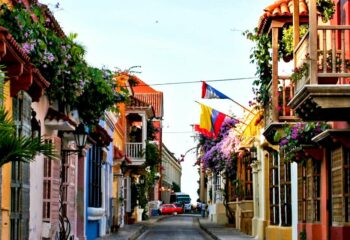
x=332, y=57
x=282, y=110
x=134, y=150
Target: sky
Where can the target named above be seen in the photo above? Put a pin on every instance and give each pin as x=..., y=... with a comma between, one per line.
x=173, y=41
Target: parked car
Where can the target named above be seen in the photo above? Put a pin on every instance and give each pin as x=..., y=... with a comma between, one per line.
x=179, y=208
x=168, y=209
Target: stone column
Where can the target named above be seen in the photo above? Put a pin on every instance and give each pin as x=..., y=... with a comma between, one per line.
x=256, y=167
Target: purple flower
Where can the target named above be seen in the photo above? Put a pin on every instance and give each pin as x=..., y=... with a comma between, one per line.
x=44, y=66
x=50, y=57
x=26, y=48
x=283, y=142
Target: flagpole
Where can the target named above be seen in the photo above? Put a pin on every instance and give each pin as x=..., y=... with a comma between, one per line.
x=241, y=105
x=224, y=113
x=220, y=95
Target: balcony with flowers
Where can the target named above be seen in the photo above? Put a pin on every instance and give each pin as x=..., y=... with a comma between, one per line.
x=296, y=141
x=323, y=93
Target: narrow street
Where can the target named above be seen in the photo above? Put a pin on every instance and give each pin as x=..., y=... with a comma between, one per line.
x=175, y=227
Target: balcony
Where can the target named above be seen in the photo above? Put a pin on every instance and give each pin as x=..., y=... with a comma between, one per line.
x=323, y=94
x=277, y=116
x=135, y=152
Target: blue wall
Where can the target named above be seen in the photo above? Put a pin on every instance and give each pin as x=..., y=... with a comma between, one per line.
x=92, y=227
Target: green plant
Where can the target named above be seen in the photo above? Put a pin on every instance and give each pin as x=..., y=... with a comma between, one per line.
x=326, y=9
x=14, y=147
x=99, y=94
x=300, y=72
x=303, y=235
x=262, y=58
x=19, y=148
x=287, y=41
x=295, y=136
x=60, y=60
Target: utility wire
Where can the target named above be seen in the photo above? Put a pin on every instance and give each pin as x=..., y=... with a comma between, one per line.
x=190, y=82
x=180, y=132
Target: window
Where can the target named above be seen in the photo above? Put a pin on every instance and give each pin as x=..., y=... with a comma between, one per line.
x=274, y=192
x=301, y=193
x=218, y=193
x=347, y=185
x=95, y=191
x=316, y=175
x=47, y=190
x=19, y=217
x=285, y=174
x=248, y=188
x=309, y=191
x=340, y=160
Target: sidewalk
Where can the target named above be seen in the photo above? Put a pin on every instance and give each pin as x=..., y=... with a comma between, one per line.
x=219, y=231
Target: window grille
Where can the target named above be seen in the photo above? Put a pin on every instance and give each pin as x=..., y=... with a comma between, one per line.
x=95, y=191
x=274, y=189
x=20, y=202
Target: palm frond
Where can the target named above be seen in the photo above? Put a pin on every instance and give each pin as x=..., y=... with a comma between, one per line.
x=19, y=148
x=14, y=148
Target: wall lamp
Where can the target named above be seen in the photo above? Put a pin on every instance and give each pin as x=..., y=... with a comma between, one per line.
x=80, y=137
x=253, y=153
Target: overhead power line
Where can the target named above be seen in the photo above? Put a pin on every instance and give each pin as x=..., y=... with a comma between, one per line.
x=199, y=81
x=180, y=132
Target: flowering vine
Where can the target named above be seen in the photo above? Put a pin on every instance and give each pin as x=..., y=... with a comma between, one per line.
x=60, y=60
x=219, y=152
x=298, y=135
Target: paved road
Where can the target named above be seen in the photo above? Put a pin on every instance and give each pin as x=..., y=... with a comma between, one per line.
x=175, y=227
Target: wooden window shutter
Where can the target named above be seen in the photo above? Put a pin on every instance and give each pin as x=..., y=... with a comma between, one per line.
x=337, y=185
x=52, y=169
x=309, y=191
x=20, y=178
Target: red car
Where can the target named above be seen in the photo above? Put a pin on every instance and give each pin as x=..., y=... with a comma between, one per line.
x=179, y=208
x=168, y=209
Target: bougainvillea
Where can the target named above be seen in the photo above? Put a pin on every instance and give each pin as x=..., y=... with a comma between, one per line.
x=298, y=135
x=218, y=153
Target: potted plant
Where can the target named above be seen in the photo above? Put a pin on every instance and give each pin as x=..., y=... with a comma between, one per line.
x=326, y=9
x=286, y=44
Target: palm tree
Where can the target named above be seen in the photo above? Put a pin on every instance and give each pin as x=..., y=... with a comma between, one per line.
x=17, y=148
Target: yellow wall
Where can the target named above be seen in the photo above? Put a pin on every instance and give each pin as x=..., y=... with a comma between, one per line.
x=6, y=178
x=278, y=233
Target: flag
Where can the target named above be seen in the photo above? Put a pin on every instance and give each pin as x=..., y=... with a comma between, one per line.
x=211, y=121
x=208, y=92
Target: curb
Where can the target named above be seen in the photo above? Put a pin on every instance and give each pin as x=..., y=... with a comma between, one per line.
x=207, y=231
x=139, y=232
x=136, y=234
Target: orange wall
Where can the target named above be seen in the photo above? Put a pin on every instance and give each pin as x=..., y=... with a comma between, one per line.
x=6, y=177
